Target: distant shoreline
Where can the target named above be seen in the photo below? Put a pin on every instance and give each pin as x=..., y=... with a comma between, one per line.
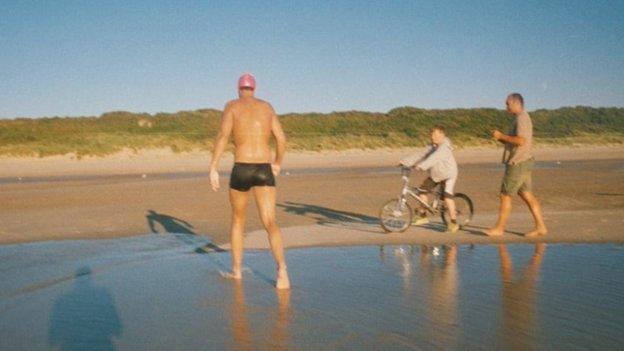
x=155, y=161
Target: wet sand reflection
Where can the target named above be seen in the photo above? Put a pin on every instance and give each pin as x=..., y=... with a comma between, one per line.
x=442, y=294
x=518, y=299
x=240, y=325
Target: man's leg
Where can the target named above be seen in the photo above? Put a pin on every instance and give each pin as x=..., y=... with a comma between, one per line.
x=512, y=182
x=503, y=214
x=238, y=200
x=265, y=200
x=536, y=211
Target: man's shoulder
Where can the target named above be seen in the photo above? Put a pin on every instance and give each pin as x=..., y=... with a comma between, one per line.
x=232, y=103
x=524, y=115
x=263, y=103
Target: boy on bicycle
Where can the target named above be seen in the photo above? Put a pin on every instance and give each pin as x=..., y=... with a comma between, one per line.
x=439, y=161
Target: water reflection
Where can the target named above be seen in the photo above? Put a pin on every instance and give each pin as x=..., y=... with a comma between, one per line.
x=518, y=299
x=84, y=318
x=438, y=266
x=240, y=324
x=432, y=280
x=280, y=339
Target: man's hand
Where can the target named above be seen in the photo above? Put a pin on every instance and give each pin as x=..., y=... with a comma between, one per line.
x=276, y=169
x=214, y=179
x=497, y=135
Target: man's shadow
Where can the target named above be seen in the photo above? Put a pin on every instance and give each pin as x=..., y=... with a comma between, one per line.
x=84, y=318
x=181, y=230
x=330, y=217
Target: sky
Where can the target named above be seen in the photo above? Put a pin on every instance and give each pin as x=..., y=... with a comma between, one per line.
x=84, y=58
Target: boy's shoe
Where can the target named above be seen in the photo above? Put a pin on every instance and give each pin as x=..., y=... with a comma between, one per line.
x=420, y=220
x=452, y=227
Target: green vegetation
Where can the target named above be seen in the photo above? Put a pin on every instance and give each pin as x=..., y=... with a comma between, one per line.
x=400, y=127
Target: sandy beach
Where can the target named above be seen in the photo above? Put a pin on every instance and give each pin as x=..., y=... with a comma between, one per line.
x=323, y=198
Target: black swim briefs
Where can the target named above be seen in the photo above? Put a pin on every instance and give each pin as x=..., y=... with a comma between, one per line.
x=247, y=175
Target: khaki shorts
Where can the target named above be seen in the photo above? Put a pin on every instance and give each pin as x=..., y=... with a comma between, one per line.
x=517, y=177
x=448, y=185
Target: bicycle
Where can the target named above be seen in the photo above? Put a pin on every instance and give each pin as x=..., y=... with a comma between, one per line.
x=396, y=214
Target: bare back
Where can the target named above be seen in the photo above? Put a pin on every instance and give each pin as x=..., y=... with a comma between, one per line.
x=251, y=130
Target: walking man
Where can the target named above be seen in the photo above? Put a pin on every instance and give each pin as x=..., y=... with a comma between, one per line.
x=518, y=162
x=251, y=122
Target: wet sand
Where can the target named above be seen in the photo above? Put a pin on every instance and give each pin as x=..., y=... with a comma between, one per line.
x=581, y=190
x=158, y=292
x=164, y=290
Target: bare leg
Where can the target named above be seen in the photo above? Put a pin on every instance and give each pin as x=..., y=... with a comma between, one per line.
x=239, y=323
x=505, y=264
x=503, y=214
x=238, y=200
x=536, y=211
x=422, y=212
x=265, y=199
x=450, y=205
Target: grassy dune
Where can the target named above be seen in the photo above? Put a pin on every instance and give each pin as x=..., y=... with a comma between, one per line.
x=400, y=127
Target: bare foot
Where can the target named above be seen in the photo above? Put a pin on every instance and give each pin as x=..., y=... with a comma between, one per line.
x=232, y=275
x=536, y=232
x=282, y=279
x=493, y=232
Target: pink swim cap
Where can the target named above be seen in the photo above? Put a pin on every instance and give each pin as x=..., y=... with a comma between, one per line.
x=247, y=80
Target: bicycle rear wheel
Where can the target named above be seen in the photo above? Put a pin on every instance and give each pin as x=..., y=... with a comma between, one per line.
x=395, y=216
x=464, y=208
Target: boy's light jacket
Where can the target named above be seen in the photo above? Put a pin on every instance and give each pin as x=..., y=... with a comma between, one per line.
x=438, y=160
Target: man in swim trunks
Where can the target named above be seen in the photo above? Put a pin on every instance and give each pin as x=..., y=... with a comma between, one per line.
x=518, y=161
x=251, y=122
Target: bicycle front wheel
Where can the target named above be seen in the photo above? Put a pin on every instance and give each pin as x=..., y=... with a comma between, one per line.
x=464, y=208
x=395, y=216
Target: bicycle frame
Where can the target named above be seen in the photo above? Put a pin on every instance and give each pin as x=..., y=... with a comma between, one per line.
x=414, y=192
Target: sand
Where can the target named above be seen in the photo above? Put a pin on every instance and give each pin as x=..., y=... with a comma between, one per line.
x=152, y=286
x=323, y=198
x=156, y=161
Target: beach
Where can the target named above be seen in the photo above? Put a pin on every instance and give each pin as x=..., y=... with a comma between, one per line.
x=323, y=198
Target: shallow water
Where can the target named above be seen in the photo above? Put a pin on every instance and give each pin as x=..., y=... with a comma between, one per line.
x=158, y=293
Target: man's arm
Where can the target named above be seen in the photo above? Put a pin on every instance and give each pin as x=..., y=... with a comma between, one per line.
x=508, y=139
x=227, y=121
x=280, y=141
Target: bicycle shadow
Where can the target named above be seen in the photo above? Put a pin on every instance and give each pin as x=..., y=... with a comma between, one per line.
x=332, y=218
x=181, y=230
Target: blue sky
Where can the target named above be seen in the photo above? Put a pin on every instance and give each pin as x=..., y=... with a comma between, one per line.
x=66, y=58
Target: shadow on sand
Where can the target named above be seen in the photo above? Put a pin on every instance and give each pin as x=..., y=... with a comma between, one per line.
x=181, y=230
x=330, y=217
x=84, y=318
